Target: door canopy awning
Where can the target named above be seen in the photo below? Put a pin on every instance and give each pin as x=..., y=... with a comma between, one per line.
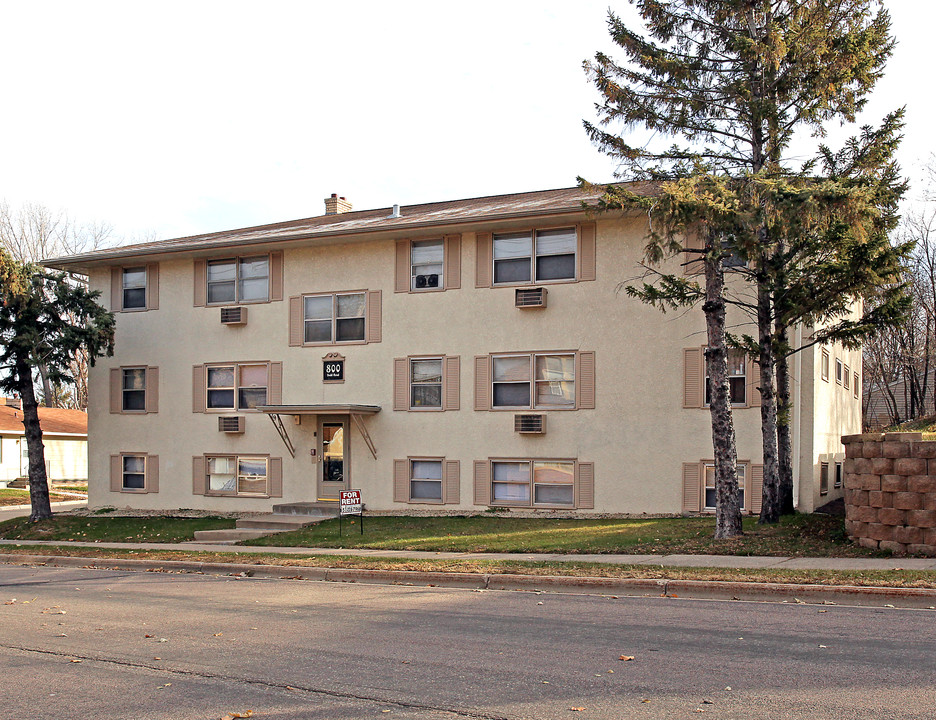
x=322, y=409
x=354, y=411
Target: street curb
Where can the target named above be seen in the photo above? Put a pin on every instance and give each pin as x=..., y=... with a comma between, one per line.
x=918, y=598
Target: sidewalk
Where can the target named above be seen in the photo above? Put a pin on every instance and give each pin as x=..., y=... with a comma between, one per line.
x=9, y=512
x=698, y=561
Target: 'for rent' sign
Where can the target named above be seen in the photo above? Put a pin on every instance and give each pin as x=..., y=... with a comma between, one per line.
x=350, y=503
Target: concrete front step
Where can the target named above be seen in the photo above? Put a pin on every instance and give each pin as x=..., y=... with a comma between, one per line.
x=275, y=521
x=308, y=509
x=230, y=536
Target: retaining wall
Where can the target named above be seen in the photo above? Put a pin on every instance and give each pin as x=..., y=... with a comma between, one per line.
x=890, y=491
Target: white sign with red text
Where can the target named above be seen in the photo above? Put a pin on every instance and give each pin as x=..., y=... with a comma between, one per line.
x=349, y=502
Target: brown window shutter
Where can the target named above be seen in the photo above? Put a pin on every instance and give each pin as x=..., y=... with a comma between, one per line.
x=295, y=321
x=585, y=485
x=452, y=262
x=482, y=389
x=276, y=275
x=483, y=259
x=116, y=289
x=755, y=489
x=201, y=283
x=116, y=473
x=152, y=390
x=275, y=390
x=451, y=370
x=401, y=393
x=403, y=269
x=152, y=286
x=692, y=262
x=693, y=377
x=373, y=316
x=452, y=489
x=482, y=482
x=401, y=481
x=198, y=389
x=691, y=487
x=276, y=477
x=199, y=478
x=152, y=474
x=585, y=381
x=753, y=380
x=586, y=254
x=116, y=390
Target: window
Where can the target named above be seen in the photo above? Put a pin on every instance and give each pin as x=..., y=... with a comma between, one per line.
x=533, y=483
x=534, y=256
x=539, y=381
x=237, y=475
x=823, y=478
x=426, y=264
x=236, y=387
x=737, y=379
x=133, y=392
x=838, y=371
x=134, y=288
x=334, y=318
x=426, y=382
x=710, y=493
x=134, y=472
x=846, y=378
x=855, y=387
x=239, y=280
x=425, y=481
x=838, y=474
x=824, y=365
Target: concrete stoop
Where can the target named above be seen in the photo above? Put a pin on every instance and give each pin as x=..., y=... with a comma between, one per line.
x=283, y=519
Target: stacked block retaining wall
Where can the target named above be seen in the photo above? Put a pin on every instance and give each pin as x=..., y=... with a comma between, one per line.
x=890, y=491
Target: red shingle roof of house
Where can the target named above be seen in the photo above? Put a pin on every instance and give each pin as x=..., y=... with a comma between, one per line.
x=54, y=421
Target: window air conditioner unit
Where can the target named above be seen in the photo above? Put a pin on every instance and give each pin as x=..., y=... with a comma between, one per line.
x=427, y=281
x=530, y=298
x=530, y=424
x=231, y=424
x=234, y=316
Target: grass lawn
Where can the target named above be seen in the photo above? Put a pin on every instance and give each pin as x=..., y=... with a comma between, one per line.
x=14, y=496
x=111, y=529
x=799, y=535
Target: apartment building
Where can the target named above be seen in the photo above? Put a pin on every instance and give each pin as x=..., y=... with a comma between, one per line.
x=451, y=356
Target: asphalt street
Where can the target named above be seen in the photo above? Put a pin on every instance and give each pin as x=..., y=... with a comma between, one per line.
x=78, y=643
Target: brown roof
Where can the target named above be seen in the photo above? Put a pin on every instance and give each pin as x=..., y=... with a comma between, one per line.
x=439, y=214
x=54, y=421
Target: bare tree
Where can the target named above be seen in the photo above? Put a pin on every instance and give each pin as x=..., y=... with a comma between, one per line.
x=34, y=232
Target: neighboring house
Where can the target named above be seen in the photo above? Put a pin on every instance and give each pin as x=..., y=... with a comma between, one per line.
x=455, y=355
x=64, y=434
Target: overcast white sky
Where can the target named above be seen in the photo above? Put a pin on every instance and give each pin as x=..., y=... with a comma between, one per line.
x=176, y=118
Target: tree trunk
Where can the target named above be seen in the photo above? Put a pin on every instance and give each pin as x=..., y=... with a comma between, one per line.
x=727, y=502
x=38, y=481
x=784, y=436
x=770, y=505
x=47, y=399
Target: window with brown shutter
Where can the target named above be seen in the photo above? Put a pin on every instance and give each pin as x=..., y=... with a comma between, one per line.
x=693, y=377
x=691, y=487
x=134, y=473
x=236, y=387
x=547, y=380
x=135, y=288
x=239, y=280
x=423, y=383
x=536, y=255
x=535, y=482
x=134, y=390
x=693, y=263
x=427, y=265
x=237, y=475
x=340, y=318
x=587, y=252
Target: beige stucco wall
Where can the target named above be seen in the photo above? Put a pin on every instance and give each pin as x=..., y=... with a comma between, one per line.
x=638, y=435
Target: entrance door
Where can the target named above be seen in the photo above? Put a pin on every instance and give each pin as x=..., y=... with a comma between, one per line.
x=333, y=476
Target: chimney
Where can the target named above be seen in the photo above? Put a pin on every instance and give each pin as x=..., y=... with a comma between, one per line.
x=335, y=205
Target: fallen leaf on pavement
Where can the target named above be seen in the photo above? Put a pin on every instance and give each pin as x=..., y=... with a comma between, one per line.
x=74, y=661
x=626, y=658
x=576, y=709
x=218, y=634
x=149, y=636
x=231, y=716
